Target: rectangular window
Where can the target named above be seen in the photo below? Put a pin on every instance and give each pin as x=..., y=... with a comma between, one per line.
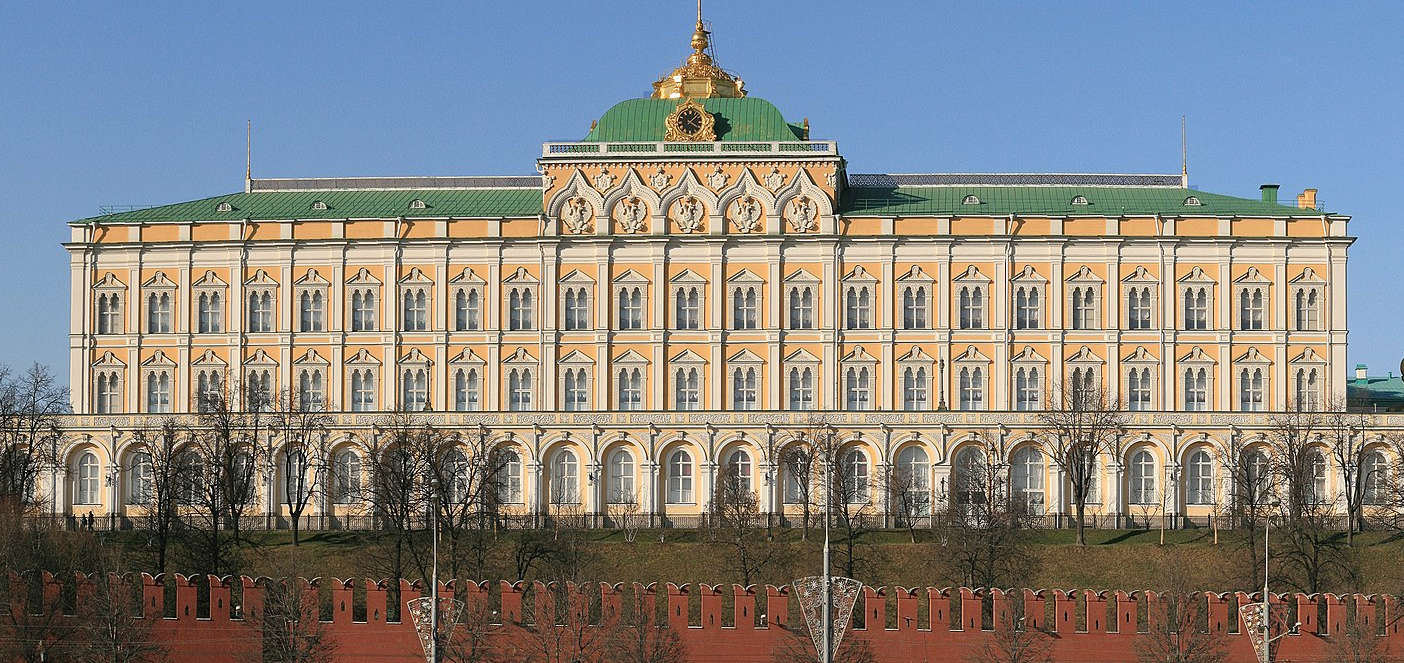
x=1138, y=308
x=363, y=310
x=914, y=308
x=1026, y=308
x=972, y=307
x=688, y=308
x=687, y=393
x=310, y=308
x=857, y=389
x=914, y=389
x=416, y=310
x=631, y=308
x=745, y=312
x=158, y=313
x=1138, y=389
x=858, y=307
x=261, y=311
x=521, y=309
x=577, y=308
x=802, y=388
x=743, y=389
x=467, y=306
x=1196, y=308
x=362, y=390
x=631, y=385
x=1027, y=389
x=210, y=313
x=109, y=313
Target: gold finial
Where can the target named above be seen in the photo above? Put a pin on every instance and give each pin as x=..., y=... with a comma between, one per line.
x=699, y=77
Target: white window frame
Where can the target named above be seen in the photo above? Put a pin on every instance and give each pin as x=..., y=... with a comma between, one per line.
x=680, y=477
x=1194, y=314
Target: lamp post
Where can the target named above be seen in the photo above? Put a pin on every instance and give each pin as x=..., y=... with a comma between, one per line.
x=828, y=654
x=1265, y=655
x=434, y=575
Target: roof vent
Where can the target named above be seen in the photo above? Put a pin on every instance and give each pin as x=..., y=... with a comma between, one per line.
x=224, y=207
x=971, y=199
x=417, y=204
x=1269, y=192
x=317, y=204
x=1361, y=377
x=1080, y=200
x=1193, y=201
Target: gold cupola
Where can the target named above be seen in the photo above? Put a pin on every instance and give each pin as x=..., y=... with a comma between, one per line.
x=699, y=77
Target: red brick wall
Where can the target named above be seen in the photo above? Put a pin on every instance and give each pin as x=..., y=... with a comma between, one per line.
x=723, y=624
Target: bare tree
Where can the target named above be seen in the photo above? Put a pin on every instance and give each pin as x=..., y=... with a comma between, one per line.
x=303, y=426
x=908, y=498
x=1179, y=621
x=219, y=467
x=31, y=425
x=985, y=529
x=1083, y=423
x=291, y=627
x=1346, y=436
x=1358, y=643
x=469, y=473
x=157, y=466
x=645, y=637
x=1293, y=438
x=568, y=632
x=397, y=490
x=110, y=623
x=1011, y=642
x=736, y=517
x=626, y=514
x=797, y=465
x=848, y=490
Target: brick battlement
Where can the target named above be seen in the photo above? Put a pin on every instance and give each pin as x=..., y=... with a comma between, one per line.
x=215, y=619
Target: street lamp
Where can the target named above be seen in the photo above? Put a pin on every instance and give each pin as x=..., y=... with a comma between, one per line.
x=1265, y=652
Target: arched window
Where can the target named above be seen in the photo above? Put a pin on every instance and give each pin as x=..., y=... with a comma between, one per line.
x=416, y=310
x=915, y=388
x=969, y=479
x=687, y=393
x=1250, y=390
x=1142, y=479
x=857, y=389
x=158, y=313
x=738, y=470
x=210, y=313
x=1199, y=479
x=1083, y=308
x=139, y=479
x=363, y=313
x=621, y=478
x=1316, y=492
x=109, y=318
x=1138, y=308
x=1196, y=308
x=853, y=477
x=311, y=394
x=801, y=307
x=680, y=478
x=1138, y=389
x=519, y=389
x=858, y=308
x=466, y=307
x=914, y=480
x=1026, y=308
x=688, y=308
x=508, y=476
x=310, y=311
x=914, y=308
x=801, y=388
x=456, y=476
x=158, y=392
x=414, y=389
x=362, y=390
x=1027, y=478
x=1307, y=396
x=1250, y=308
x=1307, y=309
x=1196, y=389
x=1376, y=478
x=1255, y=470
x=294, y=476
x=1027, y=388
x=346, y=476
x=520, y=309
x=577, y=389
x=630, y=389
x=565, y=478
x=88, y=480
x=109, y=393
x=631, y=308
x=743, y=389
x=745, y=309
x=972, y=388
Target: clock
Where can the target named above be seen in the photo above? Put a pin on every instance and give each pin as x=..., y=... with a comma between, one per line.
x=690, y=122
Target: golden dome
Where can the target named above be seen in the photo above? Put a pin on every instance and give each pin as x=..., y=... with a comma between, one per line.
x=699, y=77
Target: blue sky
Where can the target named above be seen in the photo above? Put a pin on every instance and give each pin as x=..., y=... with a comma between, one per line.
x=145, y=103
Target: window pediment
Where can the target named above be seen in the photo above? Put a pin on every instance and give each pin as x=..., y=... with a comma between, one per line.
x=1140, y=275
x=1308, y=356
x=972, y=354
x=312, y=279
x=363, y=277
x=972, y=274
x=1084, y=356
x=631, y=357
x=1141, y=356
x=109, y=360
x=209, y=358
x=745, y=276
x=1197, y=356
x=261, y=279
x=1308, y=276
x=915, y=275
x=631, y=276
x=209, y=280
x=916, y=355
x=1252, y=276
x=1197, y=275
x=466, y=356
x=1029, y=356
x=1028, y=275
x=260, y=358
x=576, y=357
x=363, y=358
x=416, y=276
x=159, y=359
x=158, y=280
x=801, y=276
x=414, y=356
x=577, y=277
x=1252, y=356
x=688, y=276
x=521, y=356
x=467, y=277
x=801, y=356
x=859, y=354
x=688, y=357
x=311, y=358
x=745, y=357
x=1085, y=275
x=859, y=275
x=110, y=282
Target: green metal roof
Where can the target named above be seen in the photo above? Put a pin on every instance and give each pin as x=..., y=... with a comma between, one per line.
x=1053, y=200
x=1375, y=392
x=743, y=119
x=495, y=202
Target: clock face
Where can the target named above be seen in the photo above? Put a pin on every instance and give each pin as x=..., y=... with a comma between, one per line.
x=690, y=121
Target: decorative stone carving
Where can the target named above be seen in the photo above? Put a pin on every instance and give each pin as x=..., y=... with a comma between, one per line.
x=547, y=181
x=746, y=213
x=576, y=215
x=660, y=179
x=604, y=181
x=631, y=213
x=717, y=179
x=688, y=212
x=775, y=179
x=802, y=214
x=832, y=179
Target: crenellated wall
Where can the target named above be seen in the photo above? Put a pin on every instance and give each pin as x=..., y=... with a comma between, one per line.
x=214, y=619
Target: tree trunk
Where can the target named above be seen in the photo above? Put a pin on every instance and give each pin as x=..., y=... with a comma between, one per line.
x=296, y=519
x=1080, y=509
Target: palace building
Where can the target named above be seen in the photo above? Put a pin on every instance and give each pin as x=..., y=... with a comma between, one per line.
x=691, y=283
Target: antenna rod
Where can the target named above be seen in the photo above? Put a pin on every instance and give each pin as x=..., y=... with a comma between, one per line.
x=248, y=158
x=1184, y=154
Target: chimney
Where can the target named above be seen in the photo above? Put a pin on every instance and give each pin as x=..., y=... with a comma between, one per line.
x=1360, y=377
x=1269, y=192
x=1307, y=199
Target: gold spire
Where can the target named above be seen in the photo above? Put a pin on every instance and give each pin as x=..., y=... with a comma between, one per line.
x=699, y=77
